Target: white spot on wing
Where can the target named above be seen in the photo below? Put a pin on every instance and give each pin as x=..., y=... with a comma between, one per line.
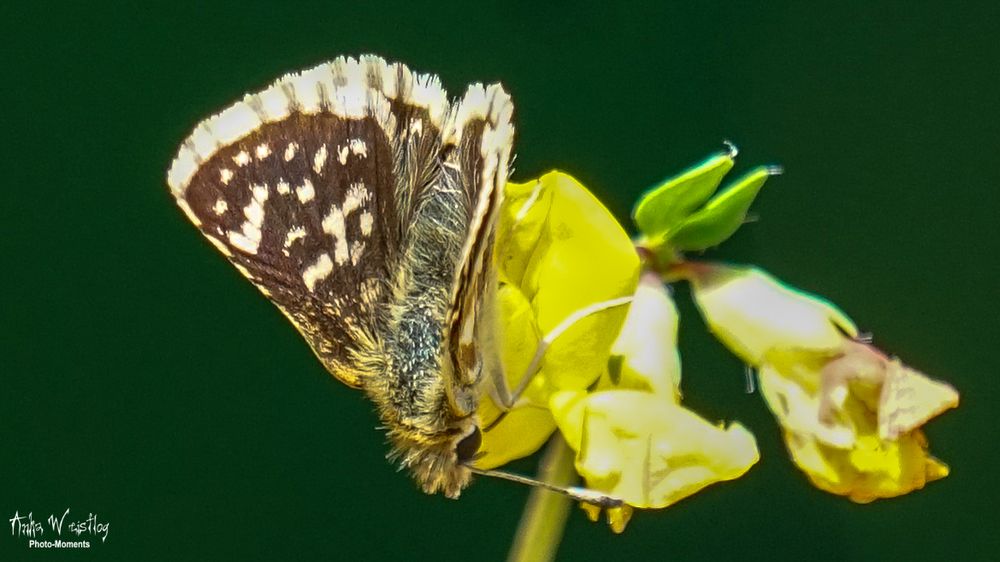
x=249, y=238
x=342, y=152
x=366, y=223
x=305, y=191
x=307, y=87
x=241, y=241
x=283, y=187
x=317, y=271
x=274, y=102
x=290, y=151
x=427, y=92
x=254, y=213
x=242, y=159
x=357, y=249
x=351, y=97
x=262, y=151
x=225, y=174
x=235, y=122
x=259, y=192
x=358, y=147
x=319, y=159
x=334, y=225
x=203, y=142
x=294, y=234
x=357, y=195
x=333, y=222
x=220, y=206
x=181, y=170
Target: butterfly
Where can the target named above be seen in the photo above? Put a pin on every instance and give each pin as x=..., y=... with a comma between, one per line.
x=363, y=203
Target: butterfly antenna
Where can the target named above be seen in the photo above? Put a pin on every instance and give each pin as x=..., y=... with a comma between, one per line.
x=573, y=492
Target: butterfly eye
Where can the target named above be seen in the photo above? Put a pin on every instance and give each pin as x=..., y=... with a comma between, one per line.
x=467, y=448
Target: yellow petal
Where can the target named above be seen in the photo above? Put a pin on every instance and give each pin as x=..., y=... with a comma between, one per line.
x=593, y=512
x=558, y=251
x=877, y=469
x=752, y=312
x=790, y=381
x=568, y=408
x=909, y=399
x=526, y=428
x=834, y=422
x=522, y=432
x=522, y=218
x=578, y=255
x=618, y=518
x=645, y=357
x=520, y=341
x=645, y=449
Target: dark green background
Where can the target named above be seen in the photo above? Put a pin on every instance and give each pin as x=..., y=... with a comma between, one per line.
x=144, y=380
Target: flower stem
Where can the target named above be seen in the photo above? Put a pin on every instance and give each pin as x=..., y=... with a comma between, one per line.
x=544, y=519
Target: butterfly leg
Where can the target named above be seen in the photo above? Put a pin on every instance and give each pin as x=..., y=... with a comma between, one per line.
x=502, y=395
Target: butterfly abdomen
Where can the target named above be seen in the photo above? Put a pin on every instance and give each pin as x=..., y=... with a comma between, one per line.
x=410, y=390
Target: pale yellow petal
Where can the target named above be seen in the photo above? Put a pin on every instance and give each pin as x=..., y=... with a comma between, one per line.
x=645, y=449
x=790, y=383
x=909, y=399
x=522, y=432
x=558, y=252
x=583, y=257
x=645, y=357
x=834, y=422
x=751, y=312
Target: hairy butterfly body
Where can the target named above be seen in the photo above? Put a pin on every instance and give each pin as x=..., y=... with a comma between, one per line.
x=363, y=203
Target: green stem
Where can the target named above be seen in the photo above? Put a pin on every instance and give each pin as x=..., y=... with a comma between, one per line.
x=544, y=519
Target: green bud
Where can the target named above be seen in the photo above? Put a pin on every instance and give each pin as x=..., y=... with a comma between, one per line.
x=664, y=207
x=722, y=216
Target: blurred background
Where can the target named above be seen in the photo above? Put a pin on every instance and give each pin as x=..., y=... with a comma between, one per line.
x=145, y=381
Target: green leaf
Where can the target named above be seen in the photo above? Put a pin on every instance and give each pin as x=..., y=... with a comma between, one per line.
x=663, y=208
x=722, y=216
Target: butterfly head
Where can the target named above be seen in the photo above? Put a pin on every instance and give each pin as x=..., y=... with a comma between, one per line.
x=438, y=464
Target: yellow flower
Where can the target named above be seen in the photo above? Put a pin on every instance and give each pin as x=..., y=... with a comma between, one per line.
x=645, y=357
x=566, y=269
x=559, y=251
x=633, y=439
x=647, y=450
x=850, y=416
